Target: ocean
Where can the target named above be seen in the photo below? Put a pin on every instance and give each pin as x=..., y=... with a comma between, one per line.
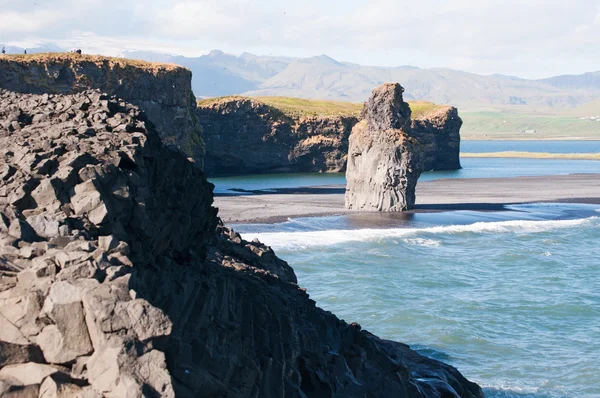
x=472, y=167
x=511, y=298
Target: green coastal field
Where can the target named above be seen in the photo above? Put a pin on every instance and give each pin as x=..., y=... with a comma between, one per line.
x=530, y=123
x=500, y=123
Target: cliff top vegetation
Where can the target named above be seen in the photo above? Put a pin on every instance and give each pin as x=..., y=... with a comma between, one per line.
x=297, y=108
x=97, y=59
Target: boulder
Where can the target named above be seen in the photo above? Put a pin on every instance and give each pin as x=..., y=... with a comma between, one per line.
x=28, y=373
x=68, y=337
x=384, y=159
x=53, y=387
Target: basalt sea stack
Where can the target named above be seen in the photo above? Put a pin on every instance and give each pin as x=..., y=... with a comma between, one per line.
x=384, y=159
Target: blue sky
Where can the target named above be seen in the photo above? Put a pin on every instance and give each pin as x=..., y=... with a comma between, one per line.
x=534, y=38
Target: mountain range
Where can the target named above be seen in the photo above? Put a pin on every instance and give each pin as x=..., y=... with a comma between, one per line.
x=322, y=77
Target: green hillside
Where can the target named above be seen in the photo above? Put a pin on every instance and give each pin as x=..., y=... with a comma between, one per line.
x=297, y=108
x=531, y=124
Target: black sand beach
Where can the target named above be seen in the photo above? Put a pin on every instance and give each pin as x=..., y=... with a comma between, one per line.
x=481, y=194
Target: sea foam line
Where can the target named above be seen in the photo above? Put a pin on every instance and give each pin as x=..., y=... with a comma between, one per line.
x=304, y=239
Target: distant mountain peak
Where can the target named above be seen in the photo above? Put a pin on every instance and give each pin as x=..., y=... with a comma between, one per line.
x=324, y=59
x=247, y=55
x=323, y=77
x=216, y=53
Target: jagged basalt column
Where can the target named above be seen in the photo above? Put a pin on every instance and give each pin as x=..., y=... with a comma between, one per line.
x=384, y=160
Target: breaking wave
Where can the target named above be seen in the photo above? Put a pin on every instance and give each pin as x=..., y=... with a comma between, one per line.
x=305, y=239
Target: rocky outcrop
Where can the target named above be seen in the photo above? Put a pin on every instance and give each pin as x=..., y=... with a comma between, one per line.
x=163, y=91
x=116, y=278
x=384, y=158
x=438, y=131
x=246, y=136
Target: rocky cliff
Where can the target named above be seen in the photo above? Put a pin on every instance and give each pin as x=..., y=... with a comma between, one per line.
x=437, y=128
x=266, y=135
x=385, y=157
x=163, y=91
x=245, y=136
x=117, y=279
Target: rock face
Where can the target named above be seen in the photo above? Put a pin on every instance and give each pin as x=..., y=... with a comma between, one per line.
x=246, y=136
x=438, y=131
x=384, y=159
x=117, y=280
x=163, y=91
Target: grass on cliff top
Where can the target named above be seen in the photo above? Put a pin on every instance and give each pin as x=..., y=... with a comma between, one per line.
x=297, y=108
x=421, y=109
x=97, y=59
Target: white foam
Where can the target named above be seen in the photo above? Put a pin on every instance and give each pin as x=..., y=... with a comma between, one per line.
x=305, y=239
x=422, y=242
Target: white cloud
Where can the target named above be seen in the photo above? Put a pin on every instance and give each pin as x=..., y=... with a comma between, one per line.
x=14, y=22
x=509, y=36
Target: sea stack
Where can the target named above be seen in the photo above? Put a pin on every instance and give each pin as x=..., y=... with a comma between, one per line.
x=383, y=158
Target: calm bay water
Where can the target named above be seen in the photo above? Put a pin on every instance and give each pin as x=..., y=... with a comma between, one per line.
x=531, y=146
x=512, y=299
x=472, y=168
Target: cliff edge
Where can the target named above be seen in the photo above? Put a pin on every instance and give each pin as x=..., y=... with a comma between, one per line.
x=254, y=135
x=438, y=130
x=117, y=279
x=246, y=135
x=163, y=91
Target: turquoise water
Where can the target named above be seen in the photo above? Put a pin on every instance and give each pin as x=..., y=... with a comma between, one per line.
x=472, y=168
x=512, y=299
x=531, y=146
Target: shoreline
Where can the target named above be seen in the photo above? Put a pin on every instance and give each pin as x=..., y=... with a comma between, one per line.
x=475, y=194
x=508, y=138
x=532, y=155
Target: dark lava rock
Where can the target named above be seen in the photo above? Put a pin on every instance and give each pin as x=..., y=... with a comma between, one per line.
x=129, y=285
x=246, y=136
x=384, y=159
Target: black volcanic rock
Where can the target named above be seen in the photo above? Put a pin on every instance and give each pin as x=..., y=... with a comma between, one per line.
x=384, y=157
x=386, y=109
x=116, y=278
x=162, y=91
x=246, y=136
x=438, y=132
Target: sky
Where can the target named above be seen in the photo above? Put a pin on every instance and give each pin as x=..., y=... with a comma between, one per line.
x=531, y=39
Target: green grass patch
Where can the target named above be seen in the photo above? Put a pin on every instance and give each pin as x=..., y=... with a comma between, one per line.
x=532, y=155
x=421, y=109
x=498, y=124
x=298, y=108
x=97, y=59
